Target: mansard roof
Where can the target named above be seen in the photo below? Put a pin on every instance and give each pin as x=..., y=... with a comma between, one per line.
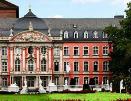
x=56, y=25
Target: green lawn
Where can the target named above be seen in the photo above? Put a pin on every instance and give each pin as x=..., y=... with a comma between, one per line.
x=50, y=97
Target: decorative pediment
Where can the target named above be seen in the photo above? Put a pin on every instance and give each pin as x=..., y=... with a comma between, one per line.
x=30, y=36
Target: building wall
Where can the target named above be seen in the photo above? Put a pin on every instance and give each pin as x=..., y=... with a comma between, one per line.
x=8, y=13
x=89, y=58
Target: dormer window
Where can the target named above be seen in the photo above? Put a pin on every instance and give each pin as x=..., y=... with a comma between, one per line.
x=105, y=35
x=95, y=34
x=75, y=34
x=85, y=34
x=66, y=35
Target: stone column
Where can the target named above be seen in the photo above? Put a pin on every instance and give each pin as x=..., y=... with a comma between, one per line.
x=11, y=60
x=37, y=59
x=23, y=58
x=61, y=62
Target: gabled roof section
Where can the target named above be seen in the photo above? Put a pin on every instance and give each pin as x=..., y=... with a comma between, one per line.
x=7, y=5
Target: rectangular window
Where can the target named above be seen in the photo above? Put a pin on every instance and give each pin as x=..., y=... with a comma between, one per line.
x=4, y=66
x=30, y=82
x=85, y=51
x=44, y=81
x=95, y=50
x=76, y=66
x=96, y=80
x=66, y=51
x=105, y=80
x=86, y=80
x=56, y=65
x=106, y=66
x=4, y=50
x=57, y=51
x=85, y=66
x=76, y=80
x=76, y=51
x=65, y=65
x=105, y=50
x=4, y=82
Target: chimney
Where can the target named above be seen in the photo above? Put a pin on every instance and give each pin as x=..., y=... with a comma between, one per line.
x=119, y=16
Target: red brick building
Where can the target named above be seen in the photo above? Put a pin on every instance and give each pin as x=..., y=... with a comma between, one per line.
x=8, y=10
x=33, y=48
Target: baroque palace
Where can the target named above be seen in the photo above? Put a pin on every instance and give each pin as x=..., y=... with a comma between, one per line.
x=52, y=49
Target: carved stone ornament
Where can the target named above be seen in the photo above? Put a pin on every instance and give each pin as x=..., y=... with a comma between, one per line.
x=31, y=36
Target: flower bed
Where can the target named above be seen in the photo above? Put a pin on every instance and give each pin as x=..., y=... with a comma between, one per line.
x=123, y=100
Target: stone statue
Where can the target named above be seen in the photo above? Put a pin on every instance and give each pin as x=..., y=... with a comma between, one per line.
x=41, y=89
x=24, y=89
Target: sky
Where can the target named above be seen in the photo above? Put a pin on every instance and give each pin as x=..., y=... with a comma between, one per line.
x=72, y=8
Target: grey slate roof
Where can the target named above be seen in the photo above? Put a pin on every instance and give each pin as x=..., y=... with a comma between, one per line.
x=57, y=24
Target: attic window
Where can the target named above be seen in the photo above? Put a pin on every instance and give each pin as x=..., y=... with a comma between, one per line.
x=85, y=34
x=66, y=35
x=75, y=34
x=95, y=34
x=105, y=35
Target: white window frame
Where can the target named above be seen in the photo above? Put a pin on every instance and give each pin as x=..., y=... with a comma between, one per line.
x=77, y=66
x=76, y=50
x=105, y=81
x=30, y=64
x=85, y=34
x=105, y=50
x=66, y=50
x=98, y=79
x=84, y=79
x=4, y=66
x=84, y=66
x=76, y=35
x=77, y=81
x=64, y=65
x=105, y=35
x=94, y=50
x=86, y=49
x=66, y=35
x=97, y=66
x=17, y=65
x=106, y=63
x=56, y=51
x=43, y=65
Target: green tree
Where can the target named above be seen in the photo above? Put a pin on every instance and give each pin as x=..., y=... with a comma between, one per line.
x=120, y=37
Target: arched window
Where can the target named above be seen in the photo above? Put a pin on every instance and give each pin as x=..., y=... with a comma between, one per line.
x=17, y=65
x=30, y=65
x=95, y=34
x=66, y=35
x=85, y=34
x=75, y=34
x=43, y=65
x=95, y=66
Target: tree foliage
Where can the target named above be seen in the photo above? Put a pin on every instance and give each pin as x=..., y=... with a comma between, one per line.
x=121, y=43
